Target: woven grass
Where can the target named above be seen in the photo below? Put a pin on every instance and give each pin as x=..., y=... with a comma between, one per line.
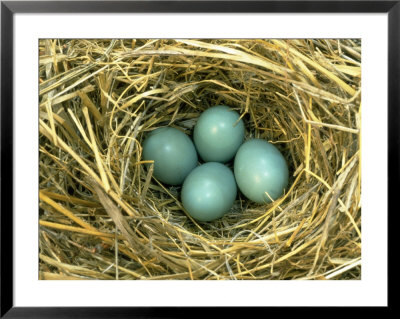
x=104, y=216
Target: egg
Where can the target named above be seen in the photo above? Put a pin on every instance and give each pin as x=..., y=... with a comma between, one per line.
x=209, y=191
x=218, y=134
x=173, y=153
x=260, y=168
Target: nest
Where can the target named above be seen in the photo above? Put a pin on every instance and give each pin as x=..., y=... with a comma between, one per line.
x=103, y=215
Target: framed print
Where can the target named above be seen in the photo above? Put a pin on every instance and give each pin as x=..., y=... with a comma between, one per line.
x=162, y=155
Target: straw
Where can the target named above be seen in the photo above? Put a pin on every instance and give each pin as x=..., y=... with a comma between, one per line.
x=102, y=213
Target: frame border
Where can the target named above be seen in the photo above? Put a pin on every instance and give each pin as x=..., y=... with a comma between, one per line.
x=9, y=8
x=199, y=6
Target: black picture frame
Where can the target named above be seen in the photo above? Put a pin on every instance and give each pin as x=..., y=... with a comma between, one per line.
x=9, y=8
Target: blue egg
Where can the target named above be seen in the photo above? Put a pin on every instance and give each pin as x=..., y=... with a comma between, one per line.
x=218, y=134
x=173, y=153
x=209, y=191
x=260, y=169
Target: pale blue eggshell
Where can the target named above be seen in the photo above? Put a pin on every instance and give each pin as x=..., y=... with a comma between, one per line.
x=173, y=153
x=209, y=191
x=218, y=134
x=260, y=167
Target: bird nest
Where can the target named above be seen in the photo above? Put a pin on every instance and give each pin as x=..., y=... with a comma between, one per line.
x=102, y=214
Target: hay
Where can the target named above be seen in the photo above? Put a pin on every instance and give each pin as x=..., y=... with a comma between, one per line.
x=102, y=214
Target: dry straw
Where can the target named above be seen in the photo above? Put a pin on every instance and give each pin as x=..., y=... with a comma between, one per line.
x=104, y=216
